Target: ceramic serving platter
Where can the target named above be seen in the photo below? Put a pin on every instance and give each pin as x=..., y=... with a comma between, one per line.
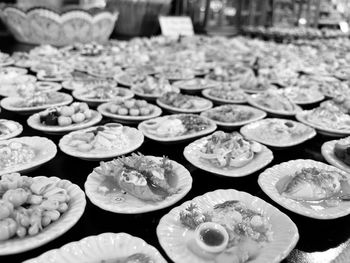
x=66, y=221
x=327, y=151
x=260, y=160
x=18, y=128
x=271, y=176
x=107, y=247
x=44, y=150
x=259, y=131
x=134, y=141
x=175, y=238
x=118, y=201
x=34, y=122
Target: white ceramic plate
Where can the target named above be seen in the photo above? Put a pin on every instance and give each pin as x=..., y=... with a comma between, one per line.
x=252, y=102
x=258, y=115
x=79, y=95
x=314, y=97
x=195, y=84
x=260, y=160
x=166, y=139
x=34, y=122
x=135, y=140
x=67, y=220
x=41, y=86
x=208, y=105
x=301, y=116
x=44, y=149
x=127, y=118
x=151, y=96
x=327, y=151
x=206, y=94
x=269, y=178
x=106, y=246
x=173, y=237
x=254, y=132
x=118, y=202
x=16, y=132
x=7, y=104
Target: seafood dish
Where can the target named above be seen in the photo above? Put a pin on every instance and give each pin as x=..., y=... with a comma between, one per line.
x=96, y=94
x=109, y=248
x=29, y=205
x=9, y=129
x=278, y=132
x=225, y=93
x=131, y=110
x=308, y=187
x=226, y=150
x=274, y=102
x=152, y=88
x=177, y=126
x=180, y=103
x=233, y=115
x=109, y=140
x=15, y=153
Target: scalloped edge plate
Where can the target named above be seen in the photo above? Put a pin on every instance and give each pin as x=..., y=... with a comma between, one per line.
x=259, y=161
x=45, y=150
x=136, y=139
x=268, y=179
x=62, y=225
x=135, y=205
x=171, y=234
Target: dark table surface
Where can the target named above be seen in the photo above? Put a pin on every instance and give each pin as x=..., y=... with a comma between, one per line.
x=320, y=240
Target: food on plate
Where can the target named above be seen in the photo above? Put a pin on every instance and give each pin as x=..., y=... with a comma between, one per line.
x=226, y=92
x=196, y=84
x=314, y=185
x=40, y=99
x=332, y=87
x=15, y=153
x=342, y=150
x=175, y=72
x=129, y=79
x=227, y=150
x=101, y=93
x=229, y=113
x=28, y=89
x=8, y=127
x=29, y=205
x=229, y=232
x=328, y=119
x=274, y=101
x=303, y=94
x=183, y=102
x=153, y=87
x=176, y=125
x=130, y=107
x=67, y=115
x=101, y=138
x=249, y=82
x=138, y=175
x=339, y=103
x=227, y=72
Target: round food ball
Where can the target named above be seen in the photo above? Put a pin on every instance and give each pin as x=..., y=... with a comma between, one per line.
x=64, y=121
x=114, y=108
x=88, y=114
x=134, y=112
x=141, y=103
x=129, y=104
x=144, y=111
x=83, y=107
x=78, y=117
x=123, y=111
x=67, y=111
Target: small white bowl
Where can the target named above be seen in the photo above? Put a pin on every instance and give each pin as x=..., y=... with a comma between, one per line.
x=215, y=228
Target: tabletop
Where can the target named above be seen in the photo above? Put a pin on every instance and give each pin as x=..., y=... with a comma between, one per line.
x=320, y=240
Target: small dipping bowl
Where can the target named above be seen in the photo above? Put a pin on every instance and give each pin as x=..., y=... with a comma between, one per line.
x=211, y=237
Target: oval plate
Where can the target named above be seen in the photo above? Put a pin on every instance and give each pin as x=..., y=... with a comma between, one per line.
x=206, y=94
x=172, y=109
x=118, y=202
x=327, y=151
x=15, y=133
x=173, y=237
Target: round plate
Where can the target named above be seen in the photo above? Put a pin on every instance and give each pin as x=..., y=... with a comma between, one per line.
x=254, y=131
x=166, y=139
x=118, y=202
x=7, y=104
x=78, y=94
x=107, y=246
x=128, y=119
x=258, y=115
x=67, y=220
x=18, y=131
x=269, y=178
x=327, y=151
x=174, y=238
x=301, y=116
x=44, y=149
x=260, y=160
x=34, y=122
x=172, y=109
x=135, y=140
x=252, y=102
x=206, y=94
